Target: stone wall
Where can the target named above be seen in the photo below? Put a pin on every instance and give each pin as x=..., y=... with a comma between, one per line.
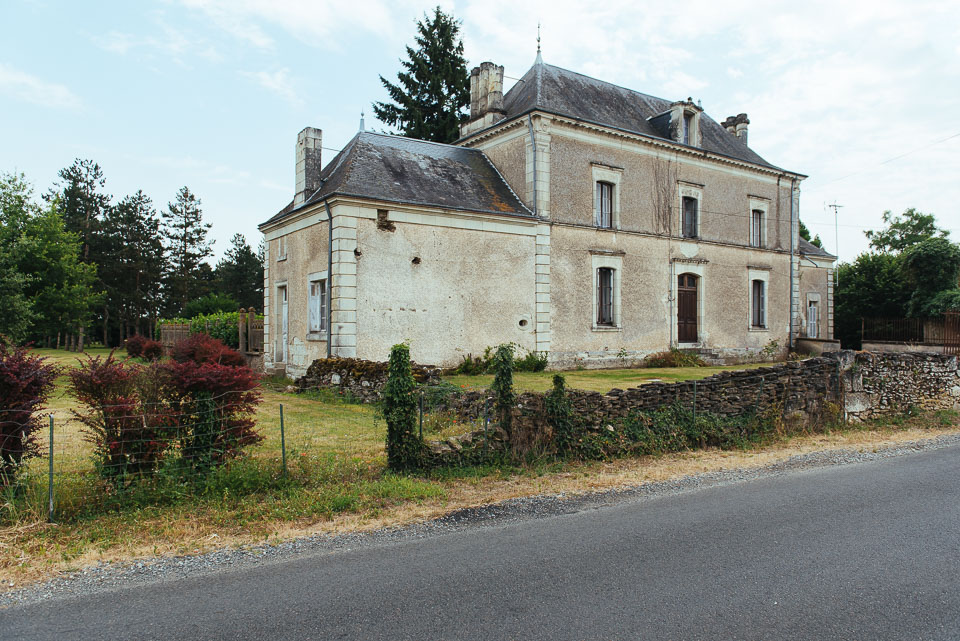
x=854, y=386
x=363, y=380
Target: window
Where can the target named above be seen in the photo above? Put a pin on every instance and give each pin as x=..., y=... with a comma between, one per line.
x=317, y=302
x=282, y=248
x=756, y=228
x=689, y=217
x=687, y=128
x=758, y=316
x=604, y=204
x=605, y=297
x=813, y=320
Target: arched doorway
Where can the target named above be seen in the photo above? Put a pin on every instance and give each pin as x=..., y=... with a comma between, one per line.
x=687, y=308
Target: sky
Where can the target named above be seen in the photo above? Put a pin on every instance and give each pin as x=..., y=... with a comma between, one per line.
x=863, y=97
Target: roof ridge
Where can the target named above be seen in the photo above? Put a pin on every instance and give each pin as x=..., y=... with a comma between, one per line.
x=395, y=136
x=607, y=82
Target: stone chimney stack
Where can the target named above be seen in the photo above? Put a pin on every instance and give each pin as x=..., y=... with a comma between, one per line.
x=737, y=125
x=486, y=97
x=308, y=164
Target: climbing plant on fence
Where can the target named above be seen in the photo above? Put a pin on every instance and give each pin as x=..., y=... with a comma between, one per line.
x=502, y=386
x=405, y=448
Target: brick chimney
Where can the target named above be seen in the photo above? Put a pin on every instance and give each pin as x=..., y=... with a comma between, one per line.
x=737, y=125
x=308, y=164
x=486, y=97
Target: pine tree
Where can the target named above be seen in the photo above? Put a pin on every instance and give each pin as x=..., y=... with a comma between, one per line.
x=429, y=101
x=81, y=203
x=187, y=246
x=133, y=277
x=240, y=274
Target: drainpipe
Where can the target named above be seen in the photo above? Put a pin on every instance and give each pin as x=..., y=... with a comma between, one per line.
x=330, y=279
x=793, y=187
x=533, y=141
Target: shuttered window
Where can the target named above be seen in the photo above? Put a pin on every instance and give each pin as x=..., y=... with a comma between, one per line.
x=605, y=296
x=605, y=205
x=759, y=305
x=317, y=306
x=756, y=228
x=689, y=217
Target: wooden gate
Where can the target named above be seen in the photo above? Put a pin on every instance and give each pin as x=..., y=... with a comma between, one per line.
x=951, y=333
x=687, y=308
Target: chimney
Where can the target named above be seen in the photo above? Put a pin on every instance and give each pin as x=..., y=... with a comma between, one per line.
x=486, y=90
x=308, y=164
x=737, y=125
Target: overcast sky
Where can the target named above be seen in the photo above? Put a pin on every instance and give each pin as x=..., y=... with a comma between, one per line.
x=864, y=97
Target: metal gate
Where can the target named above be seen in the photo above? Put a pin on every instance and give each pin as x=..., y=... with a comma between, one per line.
x=951, y=333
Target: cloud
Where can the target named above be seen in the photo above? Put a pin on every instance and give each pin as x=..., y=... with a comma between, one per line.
x=31, y=89
x=277, y=82
x=168, y=42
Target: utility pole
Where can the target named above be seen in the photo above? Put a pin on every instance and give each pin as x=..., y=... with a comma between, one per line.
x=836, y=241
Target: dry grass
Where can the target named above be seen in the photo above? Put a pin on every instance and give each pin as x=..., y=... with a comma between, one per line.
x=336, y=483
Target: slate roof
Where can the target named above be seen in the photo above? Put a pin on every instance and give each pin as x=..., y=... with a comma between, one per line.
x=566, y=93
x=415, y=172
x=809, y=249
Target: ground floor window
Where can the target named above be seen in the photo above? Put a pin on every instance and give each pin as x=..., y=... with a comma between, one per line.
x=758, y=316
x=317, y=303
x=605, y=315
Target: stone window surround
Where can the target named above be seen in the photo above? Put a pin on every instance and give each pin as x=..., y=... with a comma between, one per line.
x=758, y=204
x=614, y=262
x=761, y=275
x=689, y=190
x=612, y=175
x=320, y=335
x=814, y=297
x=281, y=248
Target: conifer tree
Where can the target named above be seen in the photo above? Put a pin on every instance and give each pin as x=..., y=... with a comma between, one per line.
x=187, y=246
x=434, y=87
x=240, y=274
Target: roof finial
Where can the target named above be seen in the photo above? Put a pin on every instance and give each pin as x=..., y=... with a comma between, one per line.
x=539, y=58
x=361, y=121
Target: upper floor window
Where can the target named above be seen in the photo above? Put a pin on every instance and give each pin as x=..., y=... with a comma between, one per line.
x=605, y=297
x=282, y=248
x=756, y=228
x=758, y=315
x=604, y=204
x=689, y=205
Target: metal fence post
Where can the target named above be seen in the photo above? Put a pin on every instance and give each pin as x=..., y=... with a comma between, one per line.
x=283, y=442
x=694, y=403
x=486, y=426
x=759, y=396
x=421, y=415
x=50, y=479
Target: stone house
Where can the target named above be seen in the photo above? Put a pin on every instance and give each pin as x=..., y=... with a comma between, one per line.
x=573, y=217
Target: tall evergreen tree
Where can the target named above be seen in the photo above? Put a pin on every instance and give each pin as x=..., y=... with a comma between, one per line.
x=133, y=275
x=81, y=202
x=240, y=274
x=187, y=246
x=434, y=88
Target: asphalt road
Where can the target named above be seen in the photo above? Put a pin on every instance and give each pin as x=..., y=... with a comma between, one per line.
x=862, y=551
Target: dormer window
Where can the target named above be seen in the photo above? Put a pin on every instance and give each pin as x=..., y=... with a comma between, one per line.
x=687, y=128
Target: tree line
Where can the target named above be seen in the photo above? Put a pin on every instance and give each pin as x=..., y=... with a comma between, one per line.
x=912, y=270
x=77, y=266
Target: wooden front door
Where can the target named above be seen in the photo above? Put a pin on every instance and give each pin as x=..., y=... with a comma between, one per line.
x=687, y=308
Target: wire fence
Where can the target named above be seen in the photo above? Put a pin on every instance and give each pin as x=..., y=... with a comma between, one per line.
x=89, y=455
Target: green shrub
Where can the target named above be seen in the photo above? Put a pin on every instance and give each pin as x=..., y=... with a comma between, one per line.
x=221, y=325
x=674, y=358
x=472, y=365
x=405, y=449
x=210, y=304
x=502, y=386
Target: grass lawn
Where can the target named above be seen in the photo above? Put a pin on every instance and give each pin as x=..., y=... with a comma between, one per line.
x=600, y=380
x=337, y=480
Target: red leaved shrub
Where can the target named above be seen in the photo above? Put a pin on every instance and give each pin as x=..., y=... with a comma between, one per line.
x=129, y=435
x=201, y=348
x=25, y=384
x=216, y=404
x=152, y=350
x=135, y=344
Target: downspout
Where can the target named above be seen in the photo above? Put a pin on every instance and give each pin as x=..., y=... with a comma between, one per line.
x=793, y=186
x=533, y=141
x=330, y=279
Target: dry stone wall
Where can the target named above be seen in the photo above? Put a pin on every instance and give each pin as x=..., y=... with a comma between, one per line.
x=361, y=379
x=888, y=383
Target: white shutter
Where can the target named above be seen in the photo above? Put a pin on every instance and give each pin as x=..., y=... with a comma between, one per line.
x=313, y=306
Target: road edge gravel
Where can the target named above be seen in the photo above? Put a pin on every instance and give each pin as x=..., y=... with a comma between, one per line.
x=110, y=576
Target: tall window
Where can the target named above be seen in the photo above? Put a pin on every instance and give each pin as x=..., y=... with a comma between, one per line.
x=756, y=228
x=604, y=205
x=758, y=316
x=813, y=320
x=318, y=306
x=605, y=296
x=689, y=217
x=687, y=128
